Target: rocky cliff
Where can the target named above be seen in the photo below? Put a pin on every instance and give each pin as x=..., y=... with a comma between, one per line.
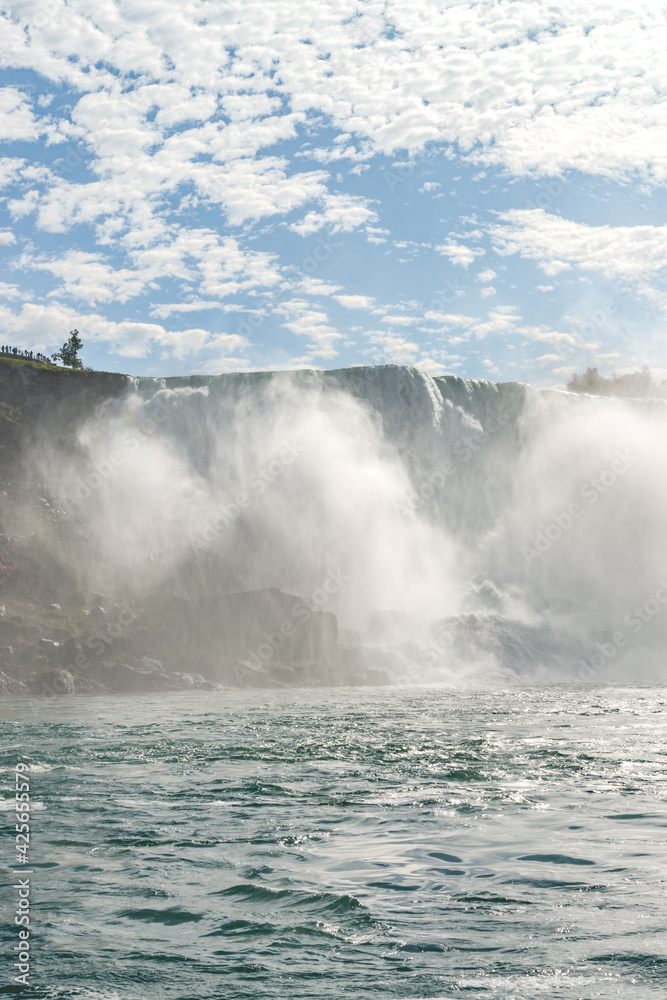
x=188, y=630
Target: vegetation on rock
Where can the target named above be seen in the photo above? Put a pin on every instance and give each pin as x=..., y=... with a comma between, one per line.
x=633, y=385
x=69, y=352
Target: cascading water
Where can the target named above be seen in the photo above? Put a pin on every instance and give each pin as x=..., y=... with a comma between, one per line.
x=454, y=528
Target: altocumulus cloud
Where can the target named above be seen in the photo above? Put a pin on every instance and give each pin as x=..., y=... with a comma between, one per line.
x=180, y=164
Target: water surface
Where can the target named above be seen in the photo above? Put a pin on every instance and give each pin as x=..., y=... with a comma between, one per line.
x=349, y=843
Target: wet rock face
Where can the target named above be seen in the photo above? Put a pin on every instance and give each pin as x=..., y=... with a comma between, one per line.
x=269, y=625
x=145, y=676
x=56, y=639
x=260, y=638
x=35, y=400
x=53, y=683
x=12, y=685
x=514, y=645
x=249, y=638
x=59, y=639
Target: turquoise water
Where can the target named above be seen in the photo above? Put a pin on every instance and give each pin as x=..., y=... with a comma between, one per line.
x=350, y=843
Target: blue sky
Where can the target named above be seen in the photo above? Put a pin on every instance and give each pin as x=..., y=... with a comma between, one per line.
x=472, y=187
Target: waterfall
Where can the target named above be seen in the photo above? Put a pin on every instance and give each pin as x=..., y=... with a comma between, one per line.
x=451, y=528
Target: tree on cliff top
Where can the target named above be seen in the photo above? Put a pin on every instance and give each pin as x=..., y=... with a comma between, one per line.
x=69, y=351
x=632, y=384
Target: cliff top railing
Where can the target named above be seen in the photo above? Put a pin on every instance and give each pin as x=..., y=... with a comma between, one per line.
x=17, y=352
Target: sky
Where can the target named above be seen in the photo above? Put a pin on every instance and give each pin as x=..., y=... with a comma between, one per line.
x=476, y=188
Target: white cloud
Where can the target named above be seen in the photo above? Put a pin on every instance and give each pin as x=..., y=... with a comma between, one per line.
x=549, y=359
x=614, y=251
x=218, y=366
x=487, y=291
x=315, y=286
x=458, y=253
x=17, y=122
x=20, y=207
x=355, y=301
x=448, y=320
x=400, y=320
x=393, y=348
x=88, y=277
x=217, y=266
x=627, y=253
x=166, y=309
x=256, y=188
x=240, y=107
x=338, y=151
x=304, y=321
x=546, y=335
x=172, y=114
x=220, y=264
x=502, y=320
x=342, y=212
x=126, y=338
x=432, y=367
x=11, y=169
x=181, y=105
x=541, y=90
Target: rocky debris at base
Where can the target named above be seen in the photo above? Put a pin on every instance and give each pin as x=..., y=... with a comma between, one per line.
x=122, y=677
x=108, y=678
x=300, y=673
x=514, y=646
x=11, y=685
x=58, y=640
x=55, y=682
x=70, y=660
